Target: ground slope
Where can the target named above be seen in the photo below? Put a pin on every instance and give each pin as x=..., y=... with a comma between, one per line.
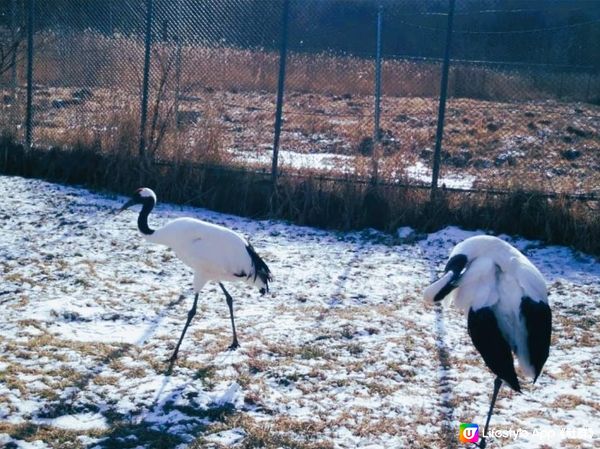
x=342, y=353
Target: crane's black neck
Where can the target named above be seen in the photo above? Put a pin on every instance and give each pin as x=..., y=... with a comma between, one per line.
x=148, y=205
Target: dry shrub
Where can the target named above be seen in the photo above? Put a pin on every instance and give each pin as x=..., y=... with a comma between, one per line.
x=365, y=167
x=378, y=167
x=359, y=136
x=121, y=134
x=410, y=78
x=88, y=58
x=209, y=144
x=471, y=81
x=394, y=166
x=310, y=124
x=204, y=143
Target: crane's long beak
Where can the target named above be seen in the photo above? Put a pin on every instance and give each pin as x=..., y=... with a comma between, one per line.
x=127, y=205
x=440, y=288
x=454, y=270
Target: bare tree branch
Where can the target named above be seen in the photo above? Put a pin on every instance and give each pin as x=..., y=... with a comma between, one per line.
x=9, y=50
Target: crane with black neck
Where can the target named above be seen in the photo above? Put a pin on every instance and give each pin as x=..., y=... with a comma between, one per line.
x=214, y=253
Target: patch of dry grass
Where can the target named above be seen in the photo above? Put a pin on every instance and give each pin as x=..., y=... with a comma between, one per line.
x=571, y=401
x=281, y=432
x=55, y=437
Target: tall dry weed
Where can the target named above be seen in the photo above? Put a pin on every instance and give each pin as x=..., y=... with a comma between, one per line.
x=116, y=61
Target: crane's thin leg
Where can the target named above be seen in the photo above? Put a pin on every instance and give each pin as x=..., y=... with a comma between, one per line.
x=191, y=314
x=235, y=343
x=497, y=385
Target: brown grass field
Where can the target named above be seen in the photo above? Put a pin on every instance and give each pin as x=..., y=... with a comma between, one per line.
x=549, y=146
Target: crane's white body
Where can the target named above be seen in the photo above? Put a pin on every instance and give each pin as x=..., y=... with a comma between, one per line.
x=497, y=276
x=505, y=299
x=214, y=252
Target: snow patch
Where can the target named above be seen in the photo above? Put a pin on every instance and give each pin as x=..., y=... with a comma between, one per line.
x=344, y=164
x=227, y=437
x=81, y=421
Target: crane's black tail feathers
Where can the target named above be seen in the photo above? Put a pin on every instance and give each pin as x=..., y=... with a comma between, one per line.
x=261, y=270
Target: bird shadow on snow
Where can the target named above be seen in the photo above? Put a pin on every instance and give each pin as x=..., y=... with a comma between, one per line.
x=166, y=422
x=336, y=297
x=444, y=385
x=357, y=256
x=155, y=324
x=160, y=424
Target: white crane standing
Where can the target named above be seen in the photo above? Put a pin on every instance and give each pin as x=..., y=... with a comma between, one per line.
x=506, y=301
x=214, y=252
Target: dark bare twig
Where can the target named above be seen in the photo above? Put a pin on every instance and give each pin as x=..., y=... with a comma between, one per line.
x=9, y=51
x=158, y=127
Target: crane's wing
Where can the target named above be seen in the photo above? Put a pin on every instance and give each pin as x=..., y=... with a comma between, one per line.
x=260, y=268
x=530, y=279
x=478, y=286
x=496, y=353
x=538, y=321
x=182, y=231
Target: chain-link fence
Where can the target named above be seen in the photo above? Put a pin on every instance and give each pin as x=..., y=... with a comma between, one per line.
x=523, y=85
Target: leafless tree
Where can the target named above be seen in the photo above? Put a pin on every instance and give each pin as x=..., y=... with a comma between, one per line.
x=9, y=50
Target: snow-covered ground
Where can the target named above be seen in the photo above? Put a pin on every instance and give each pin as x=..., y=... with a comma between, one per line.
x=342, y=353
x=343, y=164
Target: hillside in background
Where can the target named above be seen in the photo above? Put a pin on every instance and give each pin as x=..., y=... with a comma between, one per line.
x=564, y=32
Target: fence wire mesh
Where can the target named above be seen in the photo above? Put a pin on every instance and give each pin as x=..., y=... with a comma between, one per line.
x=523, y=89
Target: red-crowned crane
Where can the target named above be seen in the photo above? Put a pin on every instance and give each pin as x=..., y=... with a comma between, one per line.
x=214, y=252
x=505, y=298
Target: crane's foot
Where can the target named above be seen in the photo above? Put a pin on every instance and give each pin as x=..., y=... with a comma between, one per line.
x=481, y=445
x=171, y=361
x=169, y=370
x=233, y=346
x=173, y=357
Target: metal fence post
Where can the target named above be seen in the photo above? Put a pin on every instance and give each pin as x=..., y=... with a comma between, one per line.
x=376, y=133
x=177, y=60
x=145, y=82
x=280, y=88
x=13, y=39
x=377, y=112
x=14, y=110
x=442, y=107
x=29, y=110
